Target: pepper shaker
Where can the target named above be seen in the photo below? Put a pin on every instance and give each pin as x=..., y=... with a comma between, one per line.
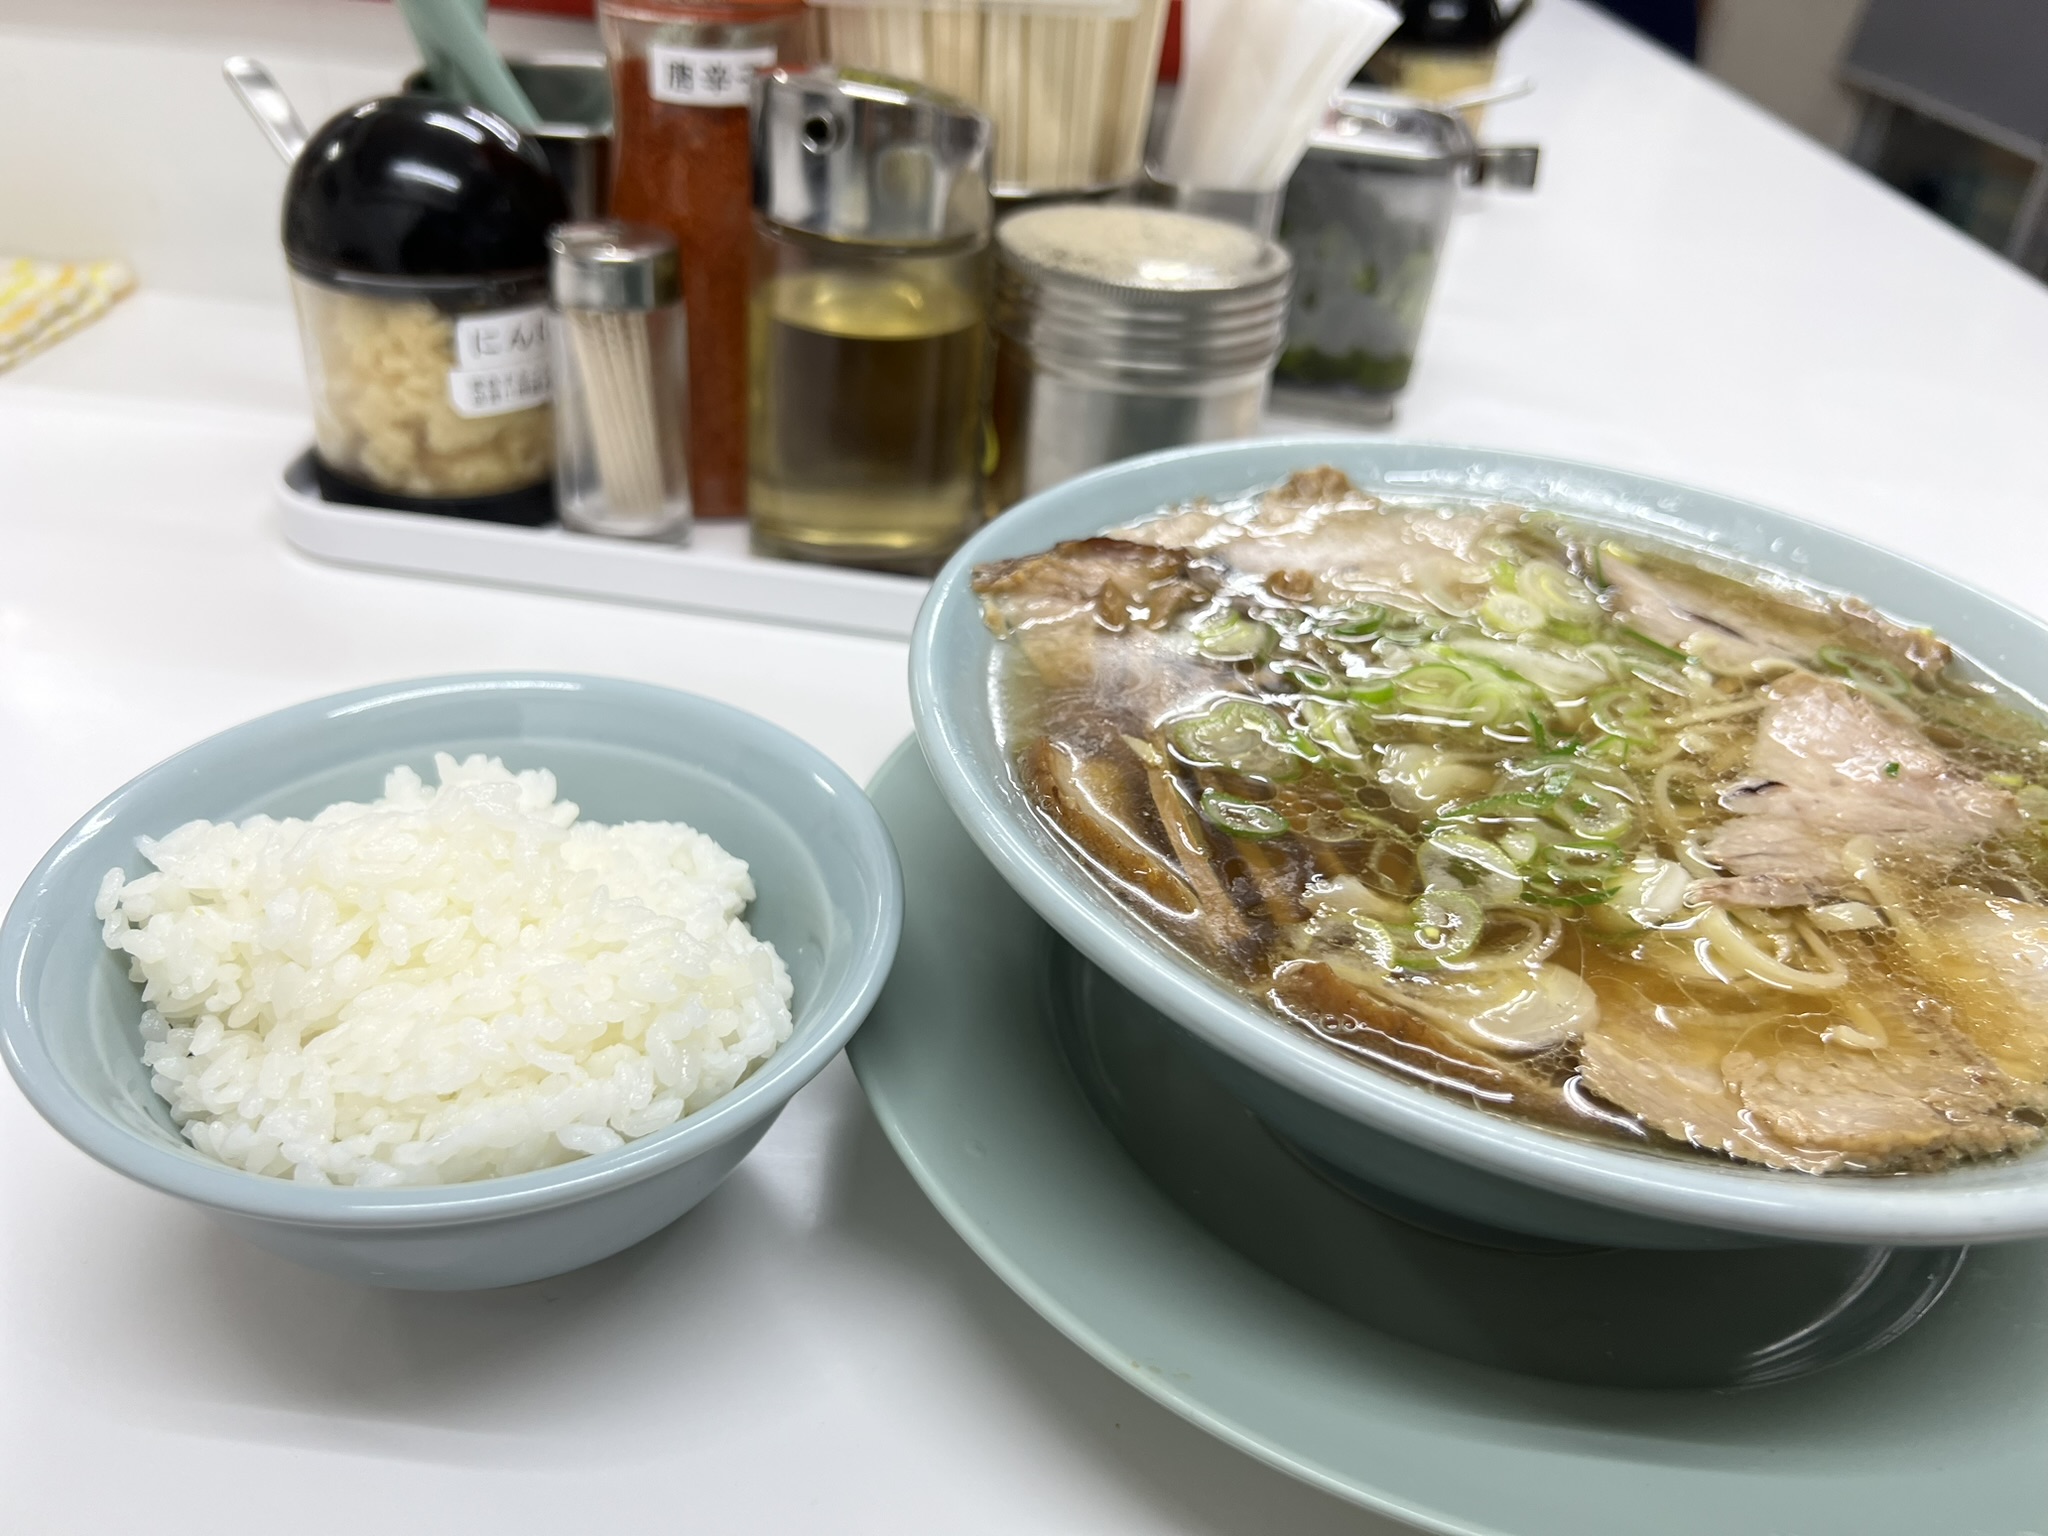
x=1121, y=330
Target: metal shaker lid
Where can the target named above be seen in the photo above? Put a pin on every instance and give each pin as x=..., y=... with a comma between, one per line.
x=1136, y=252
x=853, y=156
x=611, y=264
x=1140, y=293
x=1394, y=133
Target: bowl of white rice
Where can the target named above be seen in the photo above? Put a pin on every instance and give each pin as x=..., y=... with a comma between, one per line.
x=451, y=983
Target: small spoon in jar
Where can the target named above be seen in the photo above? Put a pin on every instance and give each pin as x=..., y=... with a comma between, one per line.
x=268, y=104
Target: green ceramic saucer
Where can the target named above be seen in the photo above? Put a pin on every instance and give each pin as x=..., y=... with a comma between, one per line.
x=975, y=1060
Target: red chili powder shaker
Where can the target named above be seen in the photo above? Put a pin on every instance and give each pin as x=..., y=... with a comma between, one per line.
x=682, y=75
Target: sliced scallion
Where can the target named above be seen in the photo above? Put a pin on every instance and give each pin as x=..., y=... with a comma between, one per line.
x=1625, y=713
x=1557, y=592
x=1242, y=818
x=1447, y=926
x=1239, y=734
x=1234, y=636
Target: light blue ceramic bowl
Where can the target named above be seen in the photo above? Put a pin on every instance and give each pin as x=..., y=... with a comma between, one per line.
x=1414, y=1146
x=830, y=900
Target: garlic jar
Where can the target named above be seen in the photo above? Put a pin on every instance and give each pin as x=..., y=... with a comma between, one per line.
x=416, y=234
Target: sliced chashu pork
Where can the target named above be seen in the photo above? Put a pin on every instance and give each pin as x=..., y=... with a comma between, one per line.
x=1337, y=545
x=1698, y=614
x=1060, y=605
x=1799, y=1092
x=1828, y=765
x=1989, y=957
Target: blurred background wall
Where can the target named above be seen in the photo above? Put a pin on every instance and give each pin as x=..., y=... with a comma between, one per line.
x=1945, y=100
x=1784, y=55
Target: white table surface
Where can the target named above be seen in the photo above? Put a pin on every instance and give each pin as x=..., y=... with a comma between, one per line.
x=1693, y=292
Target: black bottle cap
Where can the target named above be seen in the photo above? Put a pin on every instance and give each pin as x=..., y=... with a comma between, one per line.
x=1456, y=24
x=418, y=186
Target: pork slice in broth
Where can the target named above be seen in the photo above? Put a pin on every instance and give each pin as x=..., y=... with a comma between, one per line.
x=1926, y=1098
x=1900, y=1088
x=1989, y=957
x=1297, y=504
x=1066, y=607
x=1664, y=1066
x=1827, y=766
x=1722, y=623
x=1339, y=545
x=1093, y=620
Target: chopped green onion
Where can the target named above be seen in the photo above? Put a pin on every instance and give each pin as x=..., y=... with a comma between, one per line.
x=1565, y=875
x=1330, y=725
x=1469, y=848
x=1376, y=939
x=1625, y=713
x=1511, y=614
x=1557, y=592
x=1493, y=699
x=1327, y=826
x=1239, y=734
x=1234, y=636
x=1518, y=805
x=1357, y=623
x=1309, y=678
x=1456, y=860
x=1447, y=926
x=1242, y=818
x=1594, y=811
x=1519, y=845
x=1399, y=624
x=1559, y=675
x=1437, y=687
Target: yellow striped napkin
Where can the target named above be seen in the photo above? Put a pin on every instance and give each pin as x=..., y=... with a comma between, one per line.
x=43, y=300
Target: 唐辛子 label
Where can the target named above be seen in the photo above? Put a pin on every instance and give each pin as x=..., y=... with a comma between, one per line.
x=705, y=77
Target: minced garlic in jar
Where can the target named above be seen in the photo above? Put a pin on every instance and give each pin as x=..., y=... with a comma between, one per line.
x=386, y=385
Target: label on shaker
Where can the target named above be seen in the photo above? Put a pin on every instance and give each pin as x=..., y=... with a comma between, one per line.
x=704, y=77
x=501, y=363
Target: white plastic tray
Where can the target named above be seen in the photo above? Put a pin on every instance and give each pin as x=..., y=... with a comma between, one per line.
x=715, y=573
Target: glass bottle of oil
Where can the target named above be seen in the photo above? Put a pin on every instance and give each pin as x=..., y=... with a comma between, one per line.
x=868, y=343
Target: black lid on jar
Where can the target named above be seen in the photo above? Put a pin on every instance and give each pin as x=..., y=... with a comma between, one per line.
x=1457, y=24
x=418, y=186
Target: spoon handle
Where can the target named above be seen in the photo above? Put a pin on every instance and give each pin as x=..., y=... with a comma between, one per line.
x=268, y=104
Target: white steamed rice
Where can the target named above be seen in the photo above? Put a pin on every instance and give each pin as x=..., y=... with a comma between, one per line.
x=450, y=983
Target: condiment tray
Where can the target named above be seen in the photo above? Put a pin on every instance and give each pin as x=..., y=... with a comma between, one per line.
x=714, y=574
x=1001, y=1097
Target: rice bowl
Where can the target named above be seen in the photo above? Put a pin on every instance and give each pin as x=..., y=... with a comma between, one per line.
x=829, y=901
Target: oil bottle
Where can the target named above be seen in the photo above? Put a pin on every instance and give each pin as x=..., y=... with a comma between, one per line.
x=868, y=343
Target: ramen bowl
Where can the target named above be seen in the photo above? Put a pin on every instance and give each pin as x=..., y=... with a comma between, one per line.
x=828, y=898
x=1440, y=1161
